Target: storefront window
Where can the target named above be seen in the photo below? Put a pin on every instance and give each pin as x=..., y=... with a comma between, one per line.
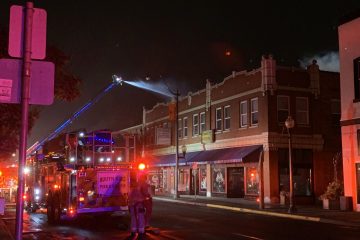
x=218, y=180
x=302, y=171
x=203, y=179
x=252, y=181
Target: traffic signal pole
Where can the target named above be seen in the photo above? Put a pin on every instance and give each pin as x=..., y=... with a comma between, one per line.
x=24, y=118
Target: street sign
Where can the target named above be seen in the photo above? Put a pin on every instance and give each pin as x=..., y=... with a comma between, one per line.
x=41, y=82
x=16, y=32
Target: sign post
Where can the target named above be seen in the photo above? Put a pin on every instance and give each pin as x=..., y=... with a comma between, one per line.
x=27, y=40
x=24, y=118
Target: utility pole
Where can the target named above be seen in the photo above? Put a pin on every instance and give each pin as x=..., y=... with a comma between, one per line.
x=176, y=194
x=25, y=89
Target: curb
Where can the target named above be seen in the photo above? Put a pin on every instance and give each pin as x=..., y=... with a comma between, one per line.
x=261, y=212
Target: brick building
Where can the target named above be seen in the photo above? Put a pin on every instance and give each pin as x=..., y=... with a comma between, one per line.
x=349, y=49
x=226, y=128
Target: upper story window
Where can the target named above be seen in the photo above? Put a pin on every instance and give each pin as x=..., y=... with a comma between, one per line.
x=302, y=110
x=195, y=129
x=227, y=117
x=243, y=114
x=180, y=128
x=283, y=108
x=218, y=119
x=185, y=127
x=202, y=122
x=357, y=77
x=335, y=112
x=254, y=111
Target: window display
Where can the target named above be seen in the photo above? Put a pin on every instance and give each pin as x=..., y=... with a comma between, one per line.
x=218, y=179
x=252, y=180
x=203, y=179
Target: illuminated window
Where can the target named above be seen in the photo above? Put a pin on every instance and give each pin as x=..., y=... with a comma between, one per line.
x=302, y=110
x=243, y=114
x=357, y=77
x=252, y=180
x=227, y=117
x=218, y=119
x=185, y=127
x=283, y=108
x=202, y=122
x=195, y=130
x=254, y=111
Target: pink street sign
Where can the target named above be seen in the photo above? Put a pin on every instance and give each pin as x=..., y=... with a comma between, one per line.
x=16, y=32
x=41, y=81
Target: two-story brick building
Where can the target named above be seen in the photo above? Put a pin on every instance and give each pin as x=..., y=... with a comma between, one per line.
x=226, y=128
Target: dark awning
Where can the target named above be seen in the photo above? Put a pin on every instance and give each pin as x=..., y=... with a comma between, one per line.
x=224, y=155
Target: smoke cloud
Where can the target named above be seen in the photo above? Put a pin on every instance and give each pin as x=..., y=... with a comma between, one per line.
x=328, y=61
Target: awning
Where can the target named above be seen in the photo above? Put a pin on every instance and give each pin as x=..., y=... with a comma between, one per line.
x=224, y=155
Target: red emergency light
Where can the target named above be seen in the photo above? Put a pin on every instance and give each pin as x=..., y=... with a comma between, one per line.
x=141, y=166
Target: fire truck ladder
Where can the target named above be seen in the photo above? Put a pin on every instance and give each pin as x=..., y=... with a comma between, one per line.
x=36, y=146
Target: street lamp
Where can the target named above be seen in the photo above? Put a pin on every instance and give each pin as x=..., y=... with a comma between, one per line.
x=289, y=124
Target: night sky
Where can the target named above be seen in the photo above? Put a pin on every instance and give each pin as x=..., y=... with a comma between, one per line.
x=182, y=43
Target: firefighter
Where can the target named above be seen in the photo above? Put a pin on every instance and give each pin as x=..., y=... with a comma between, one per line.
x=137, y=210
x=148, y=204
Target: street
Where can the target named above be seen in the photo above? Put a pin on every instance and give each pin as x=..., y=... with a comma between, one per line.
x=177, y=221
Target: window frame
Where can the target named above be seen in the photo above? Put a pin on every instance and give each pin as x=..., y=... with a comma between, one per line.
x=278, y=109
x=299, y=112
x=218, y=119
x=180, y=125
x=356, y=66
x=252, y=112
x=195, y=126
x=242, y=125
x=227, y=118
x=201, y=129
x=185, y=127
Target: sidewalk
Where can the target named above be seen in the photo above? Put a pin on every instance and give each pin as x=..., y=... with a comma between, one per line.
x=307, y=213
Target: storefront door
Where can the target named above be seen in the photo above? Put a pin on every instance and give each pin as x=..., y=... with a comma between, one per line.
x=235, y=182
x=195, y=187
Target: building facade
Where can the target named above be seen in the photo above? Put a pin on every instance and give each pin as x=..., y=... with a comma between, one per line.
x=227, y=129
x=349, y=50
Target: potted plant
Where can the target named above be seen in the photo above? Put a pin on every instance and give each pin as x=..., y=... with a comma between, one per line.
x=331, y=197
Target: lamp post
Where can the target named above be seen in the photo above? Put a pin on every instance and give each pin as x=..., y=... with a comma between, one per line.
x=289, y=124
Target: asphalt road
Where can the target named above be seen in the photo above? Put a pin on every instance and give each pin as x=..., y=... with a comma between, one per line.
x=177, y=221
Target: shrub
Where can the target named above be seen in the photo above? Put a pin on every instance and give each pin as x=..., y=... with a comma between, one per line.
x=333, y=191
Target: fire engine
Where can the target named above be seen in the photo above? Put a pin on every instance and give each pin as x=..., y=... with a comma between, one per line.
x=89, y=175
x=81, y=173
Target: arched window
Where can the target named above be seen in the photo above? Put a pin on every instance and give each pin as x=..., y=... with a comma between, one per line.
x=357, y=78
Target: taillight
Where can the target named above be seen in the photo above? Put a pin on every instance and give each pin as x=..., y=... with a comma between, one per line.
x=24, y=197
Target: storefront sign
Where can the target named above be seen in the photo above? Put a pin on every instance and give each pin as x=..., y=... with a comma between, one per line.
x=207, y=136
x=163, y=136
